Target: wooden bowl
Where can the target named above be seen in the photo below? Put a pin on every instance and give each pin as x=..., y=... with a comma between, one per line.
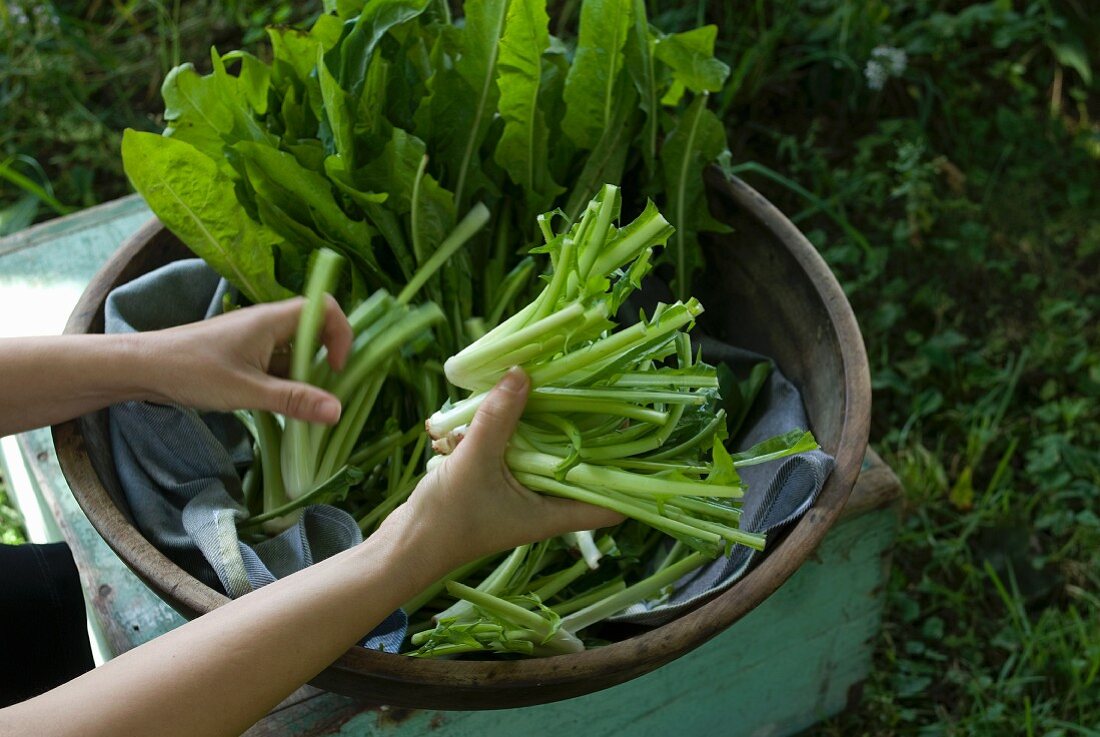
x=765, y=289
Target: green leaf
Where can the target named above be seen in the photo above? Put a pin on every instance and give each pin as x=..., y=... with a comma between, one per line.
x=411, y=67
x=394, y=171
x=294, y=60
x=1072, y=53
x=295, y=50
x=457, y=114
x=523, y=147
x=606, y=162
x=300, y=239
x=697, y=141
x=722, y=470
x=640, y=63
x=337, y=112
x=255, y=79
x=41, y=192
x=18, y=215
x=196, y=201
x=343, y=9
x=279, y=176
x=337, y=172
x=555, y=70
x=961, y=495
x=372, y=129
x=594, y=83
x=432, y=214
x=738, y=397
x=354, y=55
x=331, y=491
x=194, y=110
x=308, y=198
x=297, y=117
x=245, y=126
x=690, y=56
x=780, y=446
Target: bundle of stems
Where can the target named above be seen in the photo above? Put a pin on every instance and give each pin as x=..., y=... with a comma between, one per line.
x=303, y=463
x=623, y=417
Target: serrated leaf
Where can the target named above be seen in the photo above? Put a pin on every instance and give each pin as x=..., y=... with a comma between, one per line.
x=255, y=79
x=244, y=125
x=696, y=142
x=294, y=51
x=595, y=80
x=523, y=146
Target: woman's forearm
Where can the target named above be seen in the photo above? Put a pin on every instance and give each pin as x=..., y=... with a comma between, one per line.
x=222, y=364
x=220, y=673
x=51, y=379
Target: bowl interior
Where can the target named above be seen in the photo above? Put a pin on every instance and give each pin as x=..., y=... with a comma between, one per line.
x=759, y=297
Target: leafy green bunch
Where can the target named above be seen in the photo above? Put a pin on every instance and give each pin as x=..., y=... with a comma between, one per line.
x=417, y=166
x=372, y=133
x=621, y=417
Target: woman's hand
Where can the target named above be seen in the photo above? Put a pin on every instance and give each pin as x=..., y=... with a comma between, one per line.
x=238, y=361
x=471, y=505
x=225, y=363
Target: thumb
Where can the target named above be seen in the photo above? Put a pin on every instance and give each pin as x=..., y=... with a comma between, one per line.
x=498, y=415
x=298, y=400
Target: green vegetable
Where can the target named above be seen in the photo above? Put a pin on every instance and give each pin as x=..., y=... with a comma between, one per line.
x=305, y=463
x=420, y=170
x=624, y=418
x=324, y=147
x=602, y=395
x=195, y=199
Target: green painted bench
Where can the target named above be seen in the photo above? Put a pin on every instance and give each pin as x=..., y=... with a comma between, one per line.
x=799, y=657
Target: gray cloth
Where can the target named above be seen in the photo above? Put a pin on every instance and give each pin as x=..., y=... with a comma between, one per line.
x=779, y=492
x=180, y=470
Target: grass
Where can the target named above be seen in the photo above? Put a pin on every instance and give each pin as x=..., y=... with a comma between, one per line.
x=11, y=524
x=957, y=204
x=73, y=75
x=956, y=201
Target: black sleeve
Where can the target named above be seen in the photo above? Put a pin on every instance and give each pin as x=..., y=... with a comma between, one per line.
x=43, y=630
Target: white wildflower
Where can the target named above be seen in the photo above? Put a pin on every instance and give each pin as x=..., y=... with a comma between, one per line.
x=885, y=62
x=876, y=75
x=44, y=15
x=17, y=15
x=893, y=58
